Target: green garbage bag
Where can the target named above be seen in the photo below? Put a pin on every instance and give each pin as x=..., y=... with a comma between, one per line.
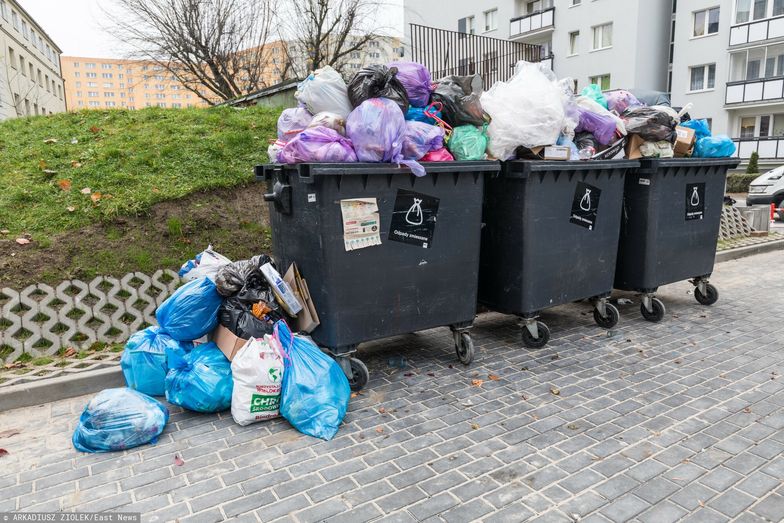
x=594, y=92
x=468, y=142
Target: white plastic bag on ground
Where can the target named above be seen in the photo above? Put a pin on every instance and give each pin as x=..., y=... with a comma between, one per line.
x=324, y=91
x=527, y=110
x=257, y=370
x=206, y=264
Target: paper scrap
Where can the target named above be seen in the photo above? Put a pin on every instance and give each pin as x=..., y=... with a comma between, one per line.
x=361, y=223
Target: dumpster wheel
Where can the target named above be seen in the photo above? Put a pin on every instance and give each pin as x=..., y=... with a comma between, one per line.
x=464, y=347
x=536, y=343
x=610, y=320
x=359, y=374
x=656, y=314
x=710, y=297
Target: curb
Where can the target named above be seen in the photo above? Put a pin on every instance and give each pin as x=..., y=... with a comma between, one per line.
x=59, y=388
x=751, y=250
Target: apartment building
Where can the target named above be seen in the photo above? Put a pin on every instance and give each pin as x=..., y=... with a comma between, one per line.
x=31, y=82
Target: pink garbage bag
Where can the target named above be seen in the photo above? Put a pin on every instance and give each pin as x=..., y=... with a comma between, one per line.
x=439, y=155
x=291, y=122
x=619, y=101
x=318, y=144
x=376, y=129
x=416, y=80
x=601, y=126
x=421, y=138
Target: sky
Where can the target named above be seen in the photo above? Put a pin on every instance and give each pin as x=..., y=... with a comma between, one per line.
x=79, y=26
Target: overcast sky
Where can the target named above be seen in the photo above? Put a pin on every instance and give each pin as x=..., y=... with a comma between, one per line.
x=78, y=26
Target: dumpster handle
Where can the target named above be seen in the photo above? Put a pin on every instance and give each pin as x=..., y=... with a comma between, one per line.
x=280, y=196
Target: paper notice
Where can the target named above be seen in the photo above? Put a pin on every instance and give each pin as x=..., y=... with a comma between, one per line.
x=361, y=223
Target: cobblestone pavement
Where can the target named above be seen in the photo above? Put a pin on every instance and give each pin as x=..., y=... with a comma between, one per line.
x=682, y=420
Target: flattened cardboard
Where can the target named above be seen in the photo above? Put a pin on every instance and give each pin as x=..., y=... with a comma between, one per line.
x=307, y=319
x=684, y=143
x=633, y=143
x=557, y=152
x=228, y=342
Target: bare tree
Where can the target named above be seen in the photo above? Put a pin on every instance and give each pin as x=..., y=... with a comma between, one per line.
x=218, y=49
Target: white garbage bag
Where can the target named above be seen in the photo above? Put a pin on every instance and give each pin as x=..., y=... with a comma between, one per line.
x=205, y=265
x=257, y=370
x=324, y=91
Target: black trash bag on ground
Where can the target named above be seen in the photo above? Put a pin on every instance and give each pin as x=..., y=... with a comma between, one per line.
x=236, y=316
x=243, y=277
x=650, y=124
x=377, y=81
x=459, y=96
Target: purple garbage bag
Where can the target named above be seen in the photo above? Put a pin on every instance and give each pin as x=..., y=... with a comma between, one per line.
x=318, y=144
x=376, y=129
x=619, y=101
x=601, y=126
x=420, y=138
x=416, y=80
x=291, y=122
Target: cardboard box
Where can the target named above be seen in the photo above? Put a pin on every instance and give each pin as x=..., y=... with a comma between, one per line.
x=228, y=342
x=307, y=319
x=557, y=152
x=633, y=143
x=684, y=143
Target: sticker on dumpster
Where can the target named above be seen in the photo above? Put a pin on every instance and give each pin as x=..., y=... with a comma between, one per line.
x=414, y=218
x=361, y=224
x=585, y=205
x=695, y=201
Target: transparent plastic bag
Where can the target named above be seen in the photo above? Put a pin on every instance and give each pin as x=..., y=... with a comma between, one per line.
x=591, y=105
x=594, y=92
x=143, y=360
x=421, y=138
x=377, y=81
x=416, y=80
x=318, y=144
x=329, y=120
x=468, y=143
x=602, y=126
x=119, y=419
x=291, y=122
x=324, y=91
x=191, y=312
x=257, y=373
x=199, y=380
x=206, y=264
x=719, y=146
x=619, y=101
x=273, y=151
x=315, y=393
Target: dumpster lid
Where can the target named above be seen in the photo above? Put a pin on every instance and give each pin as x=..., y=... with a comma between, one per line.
x=652, y=165
x=523, y=168
x=309, y=170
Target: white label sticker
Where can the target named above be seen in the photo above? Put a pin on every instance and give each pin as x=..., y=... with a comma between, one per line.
x=644, y=181
x=311, y=197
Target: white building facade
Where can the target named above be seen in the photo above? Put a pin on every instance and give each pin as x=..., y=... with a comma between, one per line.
x=31, y=81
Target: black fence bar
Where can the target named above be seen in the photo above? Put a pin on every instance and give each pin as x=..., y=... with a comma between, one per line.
x=447, y=53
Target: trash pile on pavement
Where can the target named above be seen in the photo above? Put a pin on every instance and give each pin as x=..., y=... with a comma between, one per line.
x=398, y=114
x=222, y=342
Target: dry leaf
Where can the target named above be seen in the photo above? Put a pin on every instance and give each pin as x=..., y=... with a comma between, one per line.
x=22, y=241
x=747, y=410
x=701, y=502
x=3, y=452
x=50, y=140
x=64, y=184
x=86, y=190
x=70, y=208
x=156, y=190
x=4, y=232
x=475, y=426
x=107, y=196
x=95, y=197
x=493, y=377
x=573, y=426
x=42, y=164
x=95, y=130
x=431, y=374
x=9, y=433
x=75, y=164
x=354, y=394
x=555, y=390
x=178, y=460
x=381, y=410
x=380, y=430
x=476, y=383
x=70, y=351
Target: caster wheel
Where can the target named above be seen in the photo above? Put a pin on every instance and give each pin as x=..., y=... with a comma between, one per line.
x=465, y=350
x=609, y=321
x=711, y=296
x=359, y=374
x=656, y=314
x=536, y=343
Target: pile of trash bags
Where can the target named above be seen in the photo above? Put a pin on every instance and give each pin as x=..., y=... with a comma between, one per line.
x=222, y=342
x=455, y=119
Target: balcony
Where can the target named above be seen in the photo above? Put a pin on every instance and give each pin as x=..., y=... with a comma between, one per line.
x=757, y=91
x=758, y=31
x=768, y=148
x=533, y=24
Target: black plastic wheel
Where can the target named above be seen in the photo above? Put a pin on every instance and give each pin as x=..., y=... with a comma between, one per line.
x=657, y=314
x=465, y=349
x=536, y=343
x=359, y=374
x=609, y=321
x=711, y=296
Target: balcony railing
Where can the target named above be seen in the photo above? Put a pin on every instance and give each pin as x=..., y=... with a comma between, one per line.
x=534, y=22
x=768, y=148
x=758, y=31
x=759, y=90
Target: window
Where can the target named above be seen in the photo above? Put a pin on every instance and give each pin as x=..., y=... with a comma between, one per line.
x=122, y=94
x=162, y=104
x=703, y=77
x=35, y=108
x=177, y=87
x=108, y=85
x=778, y=7
x=576, y=2
x=91, y=75
x=108, y=94
x=21, y=65
x=706, y=22
x=122, y=85
x=78, y=84
x=77, y=74
x=120, y=76
x=748, y=126
x=32, y=71
x=160, y=77
x=760, y=9
x=25, y=30
x=574, y=42
x=40, y=78
x=602, y=36
x=76, y=64
x=491, y=20
x=53, y=87
x=46, y=78
x=89, y=66
x=92, y=84
x=4, y=9
x=176, y=106
x=79, y=93
x=95, y=104
x=602, y=81
x=750, y=10
x=92, y=94
x=160, y=96
x=111, y=104
x=355, y=54
x=15, y=20
x=11, y=57
x=175, y=96
x=106, y=75
x=106, y=66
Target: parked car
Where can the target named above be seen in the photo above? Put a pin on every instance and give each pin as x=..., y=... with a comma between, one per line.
x=768, y=188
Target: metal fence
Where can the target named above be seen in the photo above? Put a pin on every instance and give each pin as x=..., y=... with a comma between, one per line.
x=453, y=53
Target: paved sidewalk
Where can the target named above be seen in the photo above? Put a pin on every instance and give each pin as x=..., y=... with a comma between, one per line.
x=682, y=420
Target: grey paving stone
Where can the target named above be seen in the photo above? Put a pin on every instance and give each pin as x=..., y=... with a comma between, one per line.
x=331, y=489
x=248, y=503
x=770, y=507
x=655, y=490
x=624, y=508
x=720, y=479
x=471, y=511
x=665, y=512
x=758, y=484
x=361, y=514
x=432, y=506
x=322, y=511
x=732, y=502
x=400, y=499
x=692, y=496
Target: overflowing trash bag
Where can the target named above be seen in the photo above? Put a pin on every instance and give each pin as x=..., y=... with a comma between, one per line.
x=206, y=264
x=701, y=129
x=719, y=146
x=315, y=392
x=468, y=142
x=650, y=124
x=318, y=144
x=601, y=126
x=585, y=139
x=527, y=111
x=423, y=114
x=329, y=120
x=621, y=100
x=376, y=128
x=416, y=80
x=377, y=81
x=589, y=104
x=651, y=98
x=191, y=312
x=238, y=317
x=199, y=380
x=459, y=97
x=324, y=91
x=243, y=277
x=291, y=122
x=439, y=155
x=594, y=92
x=273, y=151
x=119, y=419
x=143, y=360
x=421, y=138
x=257, y=371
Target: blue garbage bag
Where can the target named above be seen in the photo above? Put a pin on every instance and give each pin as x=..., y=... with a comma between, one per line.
x=119, y=419
x=143, y=361
x=199, y=380
x=191, y=312
x=701, y=129
x=719, y=146
x=417, y=114
x=315, y=391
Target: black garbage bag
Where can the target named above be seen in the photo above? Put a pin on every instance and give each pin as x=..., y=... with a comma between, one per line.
x=236, y=316
x=651, y=97
x=650, y=124
x=586, y=139
x=243, y=277
x=377, y=81
x=459, y=96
